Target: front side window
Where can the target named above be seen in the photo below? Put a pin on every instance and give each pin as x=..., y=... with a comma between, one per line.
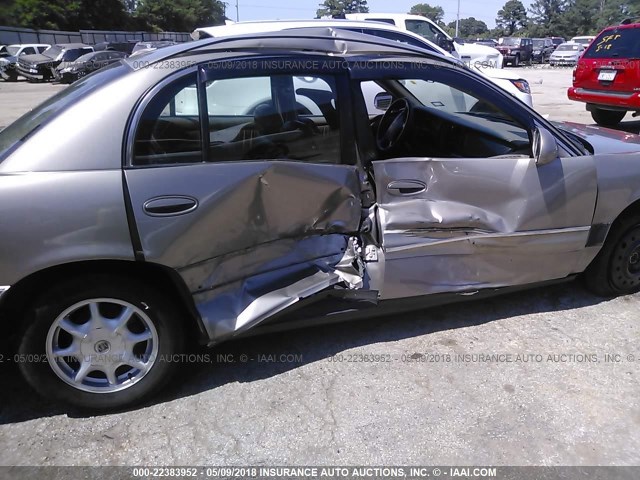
x=449, y=119
x=422, y=28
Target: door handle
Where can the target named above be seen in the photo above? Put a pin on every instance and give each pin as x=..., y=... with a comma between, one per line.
x=406, y=187
x=168, y=206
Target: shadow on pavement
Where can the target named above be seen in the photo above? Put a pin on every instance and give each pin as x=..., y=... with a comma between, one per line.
x=18, y=403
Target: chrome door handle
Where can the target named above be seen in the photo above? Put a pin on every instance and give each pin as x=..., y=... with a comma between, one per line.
x=406, y=187
x=170, y=205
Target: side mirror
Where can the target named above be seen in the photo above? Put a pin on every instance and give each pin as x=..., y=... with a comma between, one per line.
x=545, y=147
x=382, y=100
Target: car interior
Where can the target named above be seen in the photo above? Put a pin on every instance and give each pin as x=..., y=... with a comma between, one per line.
x=425, y=118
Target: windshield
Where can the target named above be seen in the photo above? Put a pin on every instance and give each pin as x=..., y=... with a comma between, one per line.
x=623, y=43
x=13, y=51
x=510, y=41
x=18, y=131
x=52, y=52
x=568, y=47
x=582, y=40
x=539, y=43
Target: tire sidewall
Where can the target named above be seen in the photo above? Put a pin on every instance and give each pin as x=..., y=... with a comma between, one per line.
x=43, y=379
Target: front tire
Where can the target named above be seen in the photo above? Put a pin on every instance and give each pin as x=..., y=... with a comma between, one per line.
x=607, y=118
x=616, y=268
x=100, y=342
x=516, y=61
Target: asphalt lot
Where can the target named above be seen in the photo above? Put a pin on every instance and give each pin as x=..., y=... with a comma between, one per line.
x=562, y=386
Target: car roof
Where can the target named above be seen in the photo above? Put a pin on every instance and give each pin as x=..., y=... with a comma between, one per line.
x=72, y=45
x=238, y=28
x=22, y=45
x=303, y=41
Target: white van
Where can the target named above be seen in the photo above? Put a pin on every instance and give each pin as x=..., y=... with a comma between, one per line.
x=470, y=53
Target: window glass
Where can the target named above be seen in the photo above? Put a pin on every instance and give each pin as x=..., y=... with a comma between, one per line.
x=422, y=28
x=272, y=117
x=621, y=43
x=383, y=20
x=28, y=51
x=398, y=37
x=169, y=128
x=450, y=119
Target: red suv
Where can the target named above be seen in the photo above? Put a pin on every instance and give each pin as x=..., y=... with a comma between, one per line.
x=607, y=76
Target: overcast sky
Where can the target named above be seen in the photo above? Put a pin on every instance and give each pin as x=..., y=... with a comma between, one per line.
x=484, y=10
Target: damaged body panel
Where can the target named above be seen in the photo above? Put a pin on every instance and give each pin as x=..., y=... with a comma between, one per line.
x=263, y=234
x=482, y=223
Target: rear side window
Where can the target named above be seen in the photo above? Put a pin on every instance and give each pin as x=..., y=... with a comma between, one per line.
x=169, y=130
x=621, y=43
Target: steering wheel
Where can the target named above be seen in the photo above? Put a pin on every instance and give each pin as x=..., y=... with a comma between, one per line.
x=393, y=125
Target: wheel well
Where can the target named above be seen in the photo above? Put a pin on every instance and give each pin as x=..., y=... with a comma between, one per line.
x=631, y=210
x=17, y=300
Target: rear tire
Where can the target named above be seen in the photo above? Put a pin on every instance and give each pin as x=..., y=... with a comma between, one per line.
x=616, y=268
x=607, y=118
x=516, y=61
x=100, y=342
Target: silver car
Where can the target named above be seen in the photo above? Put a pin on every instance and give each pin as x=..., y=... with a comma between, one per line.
x=567, y=54
x=239, y=185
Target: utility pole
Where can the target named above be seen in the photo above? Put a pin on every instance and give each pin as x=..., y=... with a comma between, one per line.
x=458, y=18
x=237, y=12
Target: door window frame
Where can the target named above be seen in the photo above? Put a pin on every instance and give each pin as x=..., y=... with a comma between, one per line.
x=238, y=68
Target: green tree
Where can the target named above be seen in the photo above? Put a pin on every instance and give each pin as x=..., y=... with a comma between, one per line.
x=469, y=27
x=337, y=8
x=511, y=16
x=548, y=16
x=179, y=15
x=69, y=14
x=6, y=12
x=424, y=9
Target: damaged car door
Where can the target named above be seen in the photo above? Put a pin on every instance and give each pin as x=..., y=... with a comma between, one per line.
x=246, y=183
x=474, y=191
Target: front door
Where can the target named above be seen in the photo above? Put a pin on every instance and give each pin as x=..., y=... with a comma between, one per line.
x=463, y=204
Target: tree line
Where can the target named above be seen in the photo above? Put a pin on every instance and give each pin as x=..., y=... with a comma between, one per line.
x=148, y=15
x=565, y=18
x=561, y=18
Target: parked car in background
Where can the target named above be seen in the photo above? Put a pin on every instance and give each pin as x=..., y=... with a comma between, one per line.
x=9, y=63
x=542, y=49
x=146, y=47
x=509, y=81
x=69, y=72
x=607, y=78
x=124, y=47
x=583, y=40
x=41, y=67
x=516, y=50
x=467, y=52
x=4, y=52
x=237, y=219
x=566, y=54
x=557, y=41
x=486, y=43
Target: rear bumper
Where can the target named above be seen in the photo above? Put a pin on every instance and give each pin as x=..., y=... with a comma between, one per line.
x=563, y=61
x=617, y=100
